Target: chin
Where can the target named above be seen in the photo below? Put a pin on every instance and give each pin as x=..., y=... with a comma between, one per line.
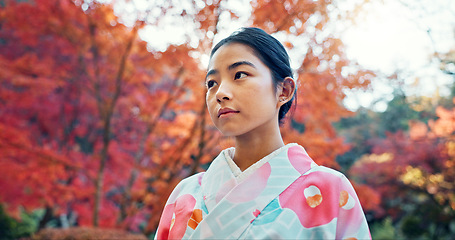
x=229, y=132
x=232, y=133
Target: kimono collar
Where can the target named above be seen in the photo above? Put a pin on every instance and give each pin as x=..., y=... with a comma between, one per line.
x=230, y=204
x=239, y=175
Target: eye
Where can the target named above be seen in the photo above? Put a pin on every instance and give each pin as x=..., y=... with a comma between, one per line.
x=210, y=84
x=239, y=75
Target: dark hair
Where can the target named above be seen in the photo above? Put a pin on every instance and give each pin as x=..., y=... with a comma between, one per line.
x=270, y=51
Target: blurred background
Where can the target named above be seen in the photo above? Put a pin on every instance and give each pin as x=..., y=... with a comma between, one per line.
x=102, y=106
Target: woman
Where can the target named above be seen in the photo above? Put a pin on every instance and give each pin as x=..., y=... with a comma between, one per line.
x=261, y=188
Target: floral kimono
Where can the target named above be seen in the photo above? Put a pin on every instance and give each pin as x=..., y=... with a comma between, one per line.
x=285, y=195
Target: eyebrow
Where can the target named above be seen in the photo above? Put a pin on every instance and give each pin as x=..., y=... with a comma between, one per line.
x=236, y=64
x=212, y=71
x=232, y=66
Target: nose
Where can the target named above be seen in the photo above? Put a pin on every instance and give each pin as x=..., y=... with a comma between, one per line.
x=224, y=93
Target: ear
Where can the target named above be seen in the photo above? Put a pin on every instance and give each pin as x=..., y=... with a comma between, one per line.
x=286, y=91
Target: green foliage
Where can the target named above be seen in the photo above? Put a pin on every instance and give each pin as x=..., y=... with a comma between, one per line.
x=366, y=125
x=397, y=115
x=383, y=230
x=300, y=127
x=357, y=131
x=412, y=226
x=11, y=228
x=427, y=219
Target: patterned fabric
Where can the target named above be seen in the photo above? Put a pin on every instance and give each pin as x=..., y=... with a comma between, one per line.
x=288, y=197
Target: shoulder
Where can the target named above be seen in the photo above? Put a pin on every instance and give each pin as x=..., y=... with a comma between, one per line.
x=321, y=189
x=331, y=182
x=320, y=180
x=192, y=180
x=188, y=185
x=326, y=170
x=327, y=176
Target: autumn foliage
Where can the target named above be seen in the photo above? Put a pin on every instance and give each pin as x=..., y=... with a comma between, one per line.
x=414, y=174
x=85, y=233
x=84, y=112
x=96, y=128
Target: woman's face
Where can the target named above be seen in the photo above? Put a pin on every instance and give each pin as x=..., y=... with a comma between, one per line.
x=241, y=96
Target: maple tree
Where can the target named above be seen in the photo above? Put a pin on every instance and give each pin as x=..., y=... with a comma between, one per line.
x=81, y=100
x=97, y=129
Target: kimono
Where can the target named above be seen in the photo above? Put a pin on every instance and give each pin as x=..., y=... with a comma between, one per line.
x=288, y=196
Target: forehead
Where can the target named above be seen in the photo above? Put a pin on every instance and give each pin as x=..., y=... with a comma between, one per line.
x=233, y=52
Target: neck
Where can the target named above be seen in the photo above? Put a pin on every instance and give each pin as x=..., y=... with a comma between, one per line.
x=254, y=145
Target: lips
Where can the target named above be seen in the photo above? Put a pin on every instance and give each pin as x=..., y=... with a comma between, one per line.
x=226, y=111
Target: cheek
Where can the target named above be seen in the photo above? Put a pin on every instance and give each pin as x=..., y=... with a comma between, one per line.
x=210, y=102
x=266, y=95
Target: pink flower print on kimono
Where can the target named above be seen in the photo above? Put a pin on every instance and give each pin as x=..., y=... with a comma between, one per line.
x=299, y=159
x=321, y=196
x=311, y=202
x=182, y=210
x=313, y=199
x=350, y=215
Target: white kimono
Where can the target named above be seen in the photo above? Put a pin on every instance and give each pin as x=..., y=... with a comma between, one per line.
x=286, y=195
